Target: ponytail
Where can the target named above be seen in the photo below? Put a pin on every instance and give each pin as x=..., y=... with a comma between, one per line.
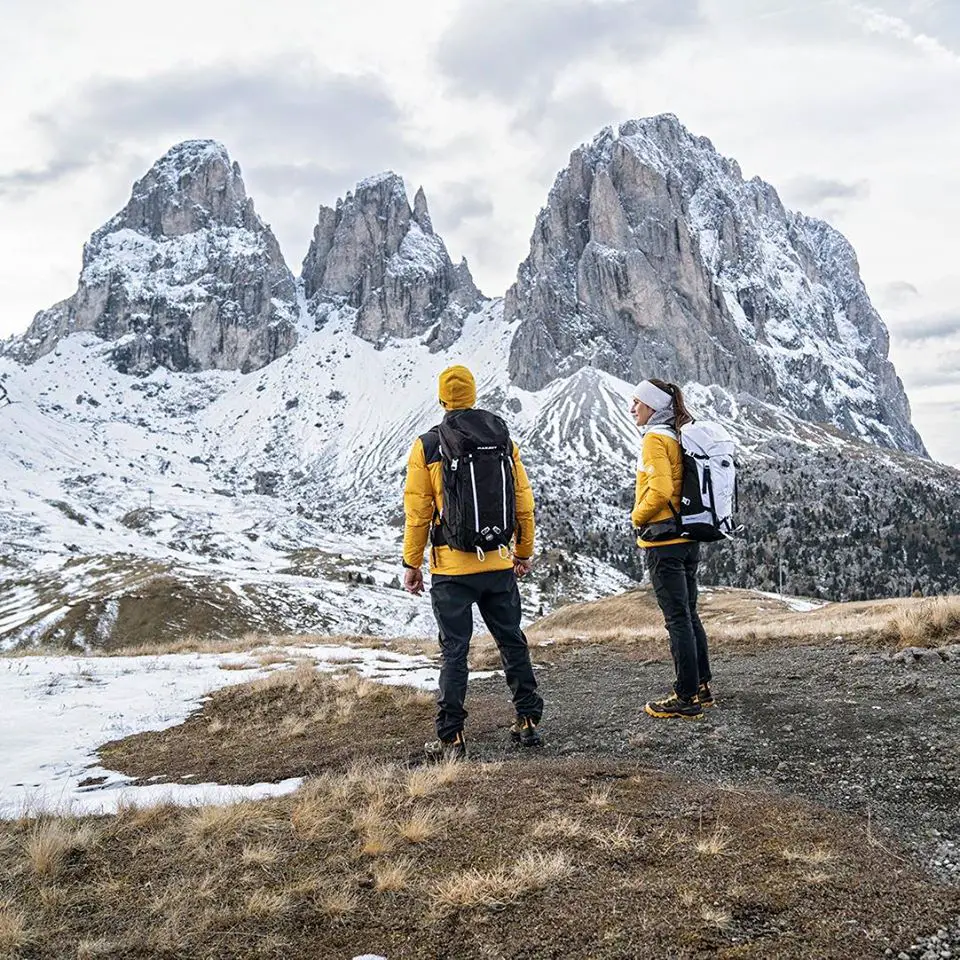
x=682, y=415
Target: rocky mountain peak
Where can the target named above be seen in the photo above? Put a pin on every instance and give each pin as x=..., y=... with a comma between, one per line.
x=420, y=212
x=193, y=186
x=379, y=257
x=654, y=256
x=185, y=276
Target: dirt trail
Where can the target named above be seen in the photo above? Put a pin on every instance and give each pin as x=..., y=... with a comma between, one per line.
x=843, y=727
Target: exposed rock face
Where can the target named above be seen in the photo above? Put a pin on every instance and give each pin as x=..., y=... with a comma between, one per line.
x=654, y=257
x=186, y=276
x=376, y=255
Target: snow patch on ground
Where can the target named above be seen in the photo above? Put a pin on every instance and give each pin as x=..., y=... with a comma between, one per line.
x=59, y=710
x=797, y=604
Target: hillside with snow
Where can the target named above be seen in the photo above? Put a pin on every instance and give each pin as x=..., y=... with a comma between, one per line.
x=197, y=443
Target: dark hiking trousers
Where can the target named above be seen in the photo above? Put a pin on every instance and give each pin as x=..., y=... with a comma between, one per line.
x=673, y=574
x=498, y=600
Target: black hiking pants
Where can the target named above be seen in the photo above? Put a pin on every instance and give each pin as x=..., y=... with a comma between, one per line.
x=498, y=600
x=673, y=574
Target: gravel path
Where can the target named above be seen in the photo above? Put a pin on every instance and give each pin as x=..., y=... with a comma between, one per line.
x=848, y=728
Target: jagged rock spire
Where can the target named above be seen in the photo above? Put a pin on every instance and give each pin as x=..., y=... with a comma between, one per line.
x=186, y=276
x=653, y=256
x=377, y=256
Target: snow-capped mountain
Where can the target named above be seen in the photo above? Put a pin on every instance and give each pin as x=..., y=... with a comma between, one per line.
x=212, y=489
x=186, y=276
x=376, y=255
x=653, y=254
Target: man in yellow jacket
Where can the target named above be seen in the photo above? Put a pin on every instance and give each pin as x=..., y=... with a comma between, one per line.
x=462, y=578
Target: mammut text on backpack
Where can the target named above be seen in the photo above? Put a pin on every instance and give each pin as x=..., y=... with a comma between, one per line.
x=479, y=499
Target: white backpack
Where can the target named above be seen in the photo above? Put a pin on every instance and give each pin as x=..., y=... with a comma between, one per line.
x=709, y=495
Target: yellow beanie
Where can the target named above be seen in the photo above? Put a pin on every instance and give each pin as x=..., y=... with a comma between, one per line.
x=458, y=389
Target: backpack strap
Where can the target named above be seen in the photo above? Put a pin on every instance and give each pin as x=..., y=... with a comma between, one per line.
x=431, y=445
x=431, y=454
x=662, y=430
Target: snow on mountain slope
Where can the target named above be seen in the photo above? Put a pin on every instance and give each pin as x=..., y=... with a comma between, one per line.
x=138, y=507
x=653, y=256
x=345, y=413
x=264, y=501
x=213, y=493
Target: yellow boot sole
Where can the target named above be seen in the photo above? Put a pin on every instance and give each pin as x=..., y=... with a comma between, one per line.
x=650, y=712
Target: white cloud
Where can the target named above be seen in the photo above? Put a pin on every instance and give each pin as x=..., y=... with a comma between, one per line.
x=848, y=108
x=877, y=21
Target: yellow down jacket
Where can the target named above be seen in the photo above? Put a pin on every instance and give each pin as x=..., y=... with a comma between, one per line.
x=659, y=482
x=423, y=503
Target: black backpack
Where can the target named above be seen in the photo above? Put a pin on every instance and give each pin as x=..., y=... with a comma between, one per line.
x=479, y=499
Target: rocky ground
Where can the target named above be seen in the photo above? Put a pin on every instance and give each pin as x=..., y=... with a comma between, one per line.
x=799, y=820
x=859, y=731
x=866, y=732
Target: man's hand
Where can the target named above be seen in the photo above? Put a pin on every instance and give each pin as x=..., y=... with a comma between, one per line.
x=413, y=580
x=521, y=567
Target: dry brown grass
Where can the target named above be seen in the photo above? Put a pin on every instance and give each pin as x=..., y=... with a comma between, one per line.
x=289, y=723
x=216, y=725
x=716, y=916
x=744, y=620
x=313, y=813
x=421, y=825
x=560, y=825
x=392, y=875
x=238, y=666
x=735, y=619
x=926, y=623
x=194, y=643
x=599, y=796
x=260, y=854
x=13, y=929
x=338, y=904
x=98, y=948
x=145, y=819
x=618, y=837
x=535, y=869
x=473, y=889
x=53, y=897
x=814, y=856
x=269, y=903
x=301, y=876
x=715, y=843
x=377, y=842
x=227, y=822
x=51, y=841
x=427, y=780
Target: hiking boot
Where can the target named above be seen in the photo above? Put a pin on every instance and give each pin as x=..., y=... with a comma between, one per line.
x=705, y=696
x=524, y=732
x=440, y=750
x=675, y=706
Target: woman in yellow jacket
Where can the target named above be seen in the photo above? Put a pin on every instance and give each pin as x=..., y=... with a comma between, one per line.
x=659, y=411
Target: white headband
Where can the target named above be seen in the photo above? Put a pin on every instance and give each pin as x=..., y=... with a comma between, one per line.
x=650, y=394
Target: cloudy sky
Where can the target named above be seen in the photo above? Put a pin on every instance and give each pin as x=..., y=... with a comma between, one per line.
x=850, y=109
